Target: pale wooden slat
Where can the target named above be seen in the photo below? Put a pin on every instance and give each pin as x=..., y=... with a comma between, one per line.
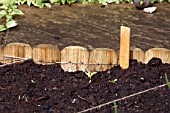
x=124, y=47
x=46, y=54
x=102, y=56
x=74, y=54
x=17, y=50
x=162, y=53
x=1, y=53
x=138, y=54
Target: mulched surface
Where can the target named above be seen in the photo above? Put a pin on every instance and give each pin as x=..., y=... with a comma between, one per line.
x=31, y=88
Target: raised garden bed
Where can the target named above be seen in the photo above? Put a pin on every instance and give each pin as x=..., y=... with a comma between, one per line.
x=32, y=88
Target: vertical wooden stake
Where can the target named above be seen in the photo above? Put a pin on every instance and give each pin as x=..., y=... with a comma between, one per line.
x=124, y=47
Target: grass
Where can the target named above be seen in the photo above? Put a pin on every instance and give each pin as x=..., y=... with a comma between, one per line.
x=167, y=81
x=115, y=107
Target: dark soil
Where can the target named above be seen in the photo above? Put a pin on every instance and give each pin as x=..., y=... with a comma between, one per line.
x=31, y=88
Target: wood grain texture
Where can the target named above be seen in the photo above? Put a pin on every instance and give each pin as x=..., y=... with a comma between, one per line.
x=162, y=53
x=17, y=50
x=74, y=54
x=138, y=54
x=124, y=55
x=46, y=54
x=102, y=56
x=1, y=53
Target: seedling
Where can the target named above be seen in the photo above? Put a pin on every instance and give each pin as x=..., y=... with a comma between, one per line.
x=33, y=82
x=115, y=107
x=90, y=74
x=24, y=97
x=113, y=81
x=167, y=81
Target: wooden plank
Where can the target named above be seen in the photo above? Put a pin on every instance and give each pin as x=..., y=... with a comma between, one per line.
x=162, y=53
x=124, y=47
x=17, y=50
x=1, y=53
x=138, y=54
x=102, y=56
x=74, y=54
x=46, y=54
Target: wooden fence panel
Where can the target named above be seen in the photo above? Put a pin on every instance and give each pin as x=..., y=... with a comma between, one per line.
x=46, y=54
x=138, y=54
x=17, y=50
x=102, y=56
x=162, y=53
x=74, y=54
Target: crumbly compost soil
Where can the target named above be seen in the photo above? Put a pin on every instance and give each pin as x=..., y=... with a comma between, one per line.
x=31, y=88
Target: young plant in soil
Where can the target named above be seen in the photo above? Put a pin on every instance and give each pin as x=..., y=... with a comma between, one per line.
x=90, y=74
x=115, y=107
x=33, y=82
x=113, y=81
x=167, y=81
x=24, y=97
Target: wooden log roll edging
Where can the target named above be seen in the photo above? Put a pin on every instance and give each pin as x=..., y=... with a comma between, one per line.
x=18, y=50
x=162, y=53
x=138, y=54
x=105, y=56
x=46, y=54
x=79, y=56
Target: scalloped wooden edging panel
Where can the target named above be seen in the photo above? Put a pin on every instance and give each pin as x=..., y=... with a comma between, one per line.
x=162, y=53
x=46, y=54
x=74, y=54
x=102, y=56
x=138, y=54
x=1, y=53
x=18, y=50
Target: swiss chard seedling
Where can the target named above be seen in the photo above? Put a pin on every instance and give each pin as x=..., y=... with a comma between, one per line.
x=113, y=81
x=90, y=74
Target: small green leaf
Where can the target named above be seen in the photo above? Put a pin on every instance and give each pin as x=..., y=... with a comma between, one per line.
x=52, y=1
x=113, y=81
x=63, y=1
x=29, y=2
x=33, y=2
x=17, y=12
x=9, y=10
x=69, y=1
x=115, y=107
x=2, y=28
x=8, y=18
x=32, y=81
x=48, y=5
x=167, y=81
x=14, y=6
x=85, y=2
x=19, y=97
x=10, y=2
x=4, y=7
x=2, y=13
x=11, y=23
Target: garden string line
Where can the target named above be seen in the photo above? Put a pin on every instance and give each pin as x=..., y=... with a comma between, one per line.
x=126, y=97
x=19, y=58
